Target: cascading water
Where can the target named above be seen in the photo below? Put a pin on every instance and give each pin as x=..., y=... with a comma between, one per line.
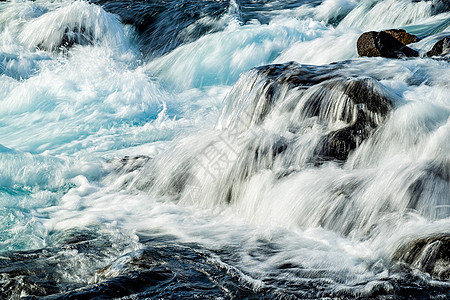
x=222, y=149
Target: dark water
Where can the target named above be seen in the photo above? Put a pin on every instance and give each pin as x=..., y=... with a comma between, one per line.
x=162, y=25
x=161, y=268
x=164, y=268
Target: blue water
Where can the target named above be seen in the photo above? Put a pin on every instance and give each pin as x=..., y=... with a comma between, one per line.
x=110, y=112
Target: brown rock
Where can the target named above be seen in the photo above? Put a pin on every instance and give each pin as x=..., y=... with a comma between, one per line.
x=402, y=36
x=382, y=44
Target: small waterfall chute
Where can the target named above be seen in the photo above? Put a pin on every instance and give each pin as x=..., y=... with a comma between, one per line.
x=280, y=119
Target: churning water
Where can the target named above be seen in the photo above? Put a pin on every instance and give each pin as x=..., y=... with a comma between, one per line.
x=222, y=149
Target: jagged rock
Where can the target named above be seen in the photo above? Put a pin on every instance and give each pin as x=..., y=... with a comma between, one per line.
x=441, y=48
x=402, y=36
x=430, y=255
x=382, y=44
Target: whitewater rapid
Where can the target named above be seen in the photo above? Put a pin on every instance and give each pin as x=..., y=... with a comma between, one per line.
x=149, y=150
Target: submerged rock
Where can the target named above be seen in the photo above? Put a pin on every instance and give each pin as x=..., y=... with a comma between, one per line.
x=360, y=103
x=72, y=36
x=383, y=44
x=339, y=143
x=77, y=36
x=441, y=48
x=128, y=164
x=430, y=255
x=440, y=6
x=63, y=38
x=349, y=109
x=124, y=167
x=402, y=36
x=79, y=23
x=279, y=117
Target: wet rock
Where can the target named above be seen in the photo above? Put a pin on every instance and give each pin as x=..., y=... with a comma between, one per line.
x=382, y=44
x=371, y=107
x=440, y=6
x=76, y=36
x=265, y=87
x=338, y=144
x=434, y=180
x=128, y=164
x=72, y=35
x=322, y=93
x=156, y=36
x=123, y=168
x=441, y=48
x=79, y=23
x=430, y=255
x=402, y=36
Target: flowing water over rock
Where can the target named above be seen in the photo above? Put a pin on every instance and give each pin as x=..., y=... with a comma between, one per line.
x=222, y=149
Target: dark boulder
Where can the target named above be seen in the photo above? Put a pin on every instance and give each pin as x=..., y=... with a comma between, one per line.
x=430, y=255
x=441, y=48
x=359, y=105
x=382, y=44
x=372, y=107
x=402, y=36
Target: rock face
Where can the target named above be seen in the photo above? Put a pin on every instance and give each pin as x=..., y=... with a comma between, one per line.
x=441, y=48
x=383, y=44
x=402, y=36
x=430, y=255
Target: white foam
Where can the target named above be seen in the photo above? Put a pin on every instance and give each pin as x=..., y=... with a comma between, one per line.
x=89, y=204
x=330, y=10
x=331, y=47
x=376, y=15
x=80, y=21
x=219, y=58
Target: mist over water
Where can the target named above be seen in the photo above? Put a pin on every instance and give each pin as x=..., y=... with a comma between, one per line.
x=222, y=149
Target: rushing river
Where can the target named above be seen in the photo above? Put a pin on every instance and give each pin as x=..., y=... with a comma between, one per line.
x=222, y=149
